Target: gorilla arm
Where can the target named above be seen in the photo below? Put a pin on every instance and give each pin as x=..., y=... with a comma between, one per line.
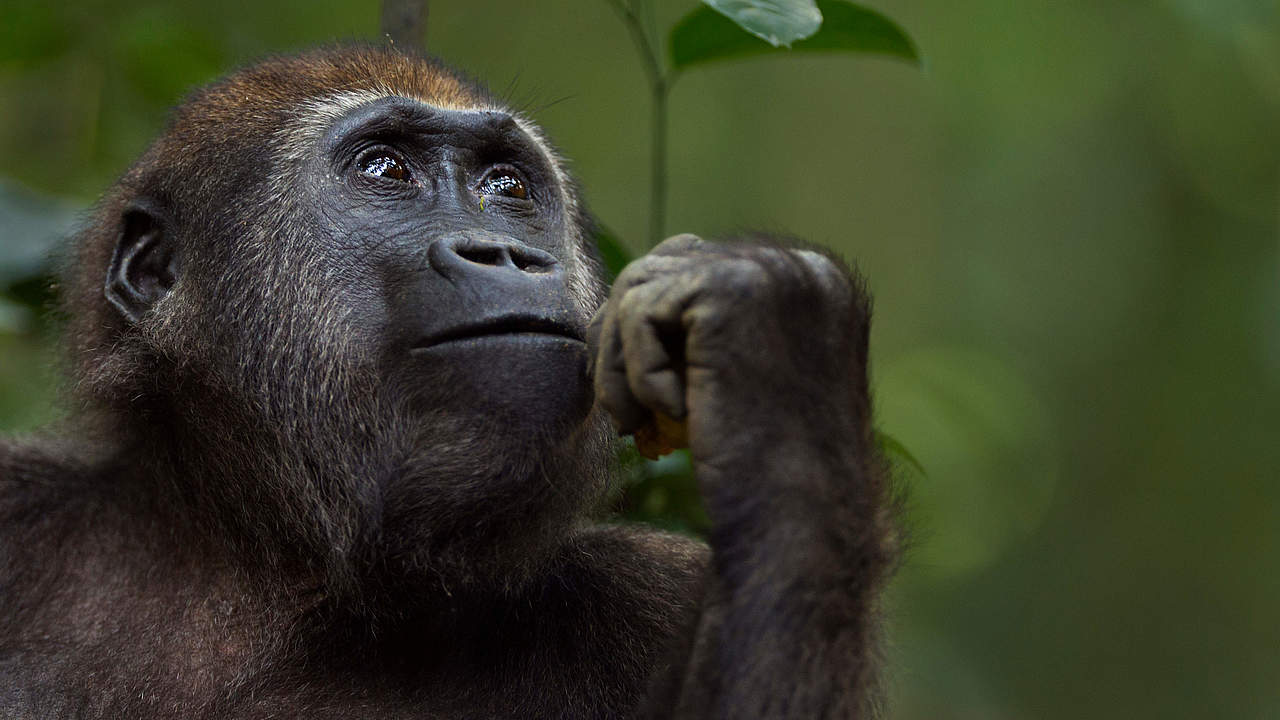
x=761, y=350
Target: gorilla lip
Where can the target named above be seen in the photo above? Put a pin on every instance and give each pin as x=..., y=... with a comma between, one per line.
x=511, y=325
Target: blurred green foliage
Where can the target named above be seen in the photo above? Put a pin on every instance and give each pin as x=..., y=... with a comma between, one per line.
x=1070, y=223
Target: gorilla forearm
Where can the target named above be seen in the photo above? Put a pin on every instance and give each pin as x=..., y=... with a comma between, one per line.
x=796, y=581
x=791, y=625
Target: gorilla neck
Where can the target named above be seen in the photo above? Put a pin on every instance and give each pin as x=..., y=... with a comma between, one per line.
x=370, y=509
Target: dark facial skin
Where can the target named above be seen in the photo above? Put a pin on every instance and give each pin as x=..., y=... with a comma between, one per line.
x=344, y=372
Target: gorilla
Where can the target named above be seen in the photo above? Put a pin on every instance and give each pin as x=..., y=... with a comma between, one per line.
x=346, y=383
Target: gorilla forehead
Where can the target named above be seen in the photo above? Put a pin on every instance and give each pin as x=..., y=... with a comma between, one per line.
x=329, y=78
x=278, y=108
x=400, y=115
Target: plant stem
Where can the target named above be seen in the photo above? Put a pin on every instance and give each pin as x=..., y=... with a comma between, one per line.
x=660, y=88
x=404, y=22
x=658, y=165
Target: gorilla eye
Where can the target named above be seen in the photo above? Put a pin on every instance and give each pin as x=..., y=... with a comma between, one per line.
x=384, y=164
x=505, y=183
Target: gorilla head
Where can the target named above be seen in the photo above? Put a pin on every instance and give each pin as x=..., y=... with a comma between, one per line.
x=345, y=297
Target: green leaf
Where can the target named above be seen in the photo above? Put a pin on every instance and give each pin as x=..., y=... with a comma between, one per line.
x=614, y=254
x=705, y=35
x=777, y=22
x=894, y=448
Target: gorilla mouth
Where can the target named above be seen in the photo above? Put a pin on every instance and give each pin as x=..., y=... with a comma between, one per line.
x=511, y=325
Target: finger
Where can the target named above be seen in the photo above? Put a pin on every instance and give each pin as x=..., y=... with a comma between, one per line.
x=610, y=379
x=649, y=327
x=594, y=330
x=646, y=269
x=680, y=245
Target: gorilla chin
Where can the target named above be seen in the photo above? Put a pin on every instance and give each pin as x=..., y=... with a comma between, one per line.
x=531, y=384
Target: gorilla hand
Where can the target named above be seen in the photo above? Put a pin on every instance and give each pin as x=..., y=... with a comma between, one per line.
x=735, y=343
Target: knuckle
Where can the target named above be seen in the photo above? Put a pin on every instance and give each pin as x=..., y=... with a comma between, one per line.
x=641, y=271
x=822, y=268
x=739, y=278
x=679, y=244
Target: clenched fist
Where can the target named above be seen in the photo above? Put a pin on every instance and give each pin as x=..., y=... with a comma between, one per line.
x=735, y=342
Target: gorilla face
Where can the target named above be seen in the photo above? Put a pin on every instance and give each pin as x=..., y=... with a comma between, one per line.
x=454, y=224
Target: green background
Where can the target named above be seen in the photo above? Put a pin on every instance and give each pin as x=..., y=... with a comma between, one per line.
x=1069, y=220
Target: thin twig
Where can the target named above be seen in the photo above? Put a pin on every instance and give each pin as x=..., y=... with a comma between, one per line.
x=635, y=28
x=659, y=86
x=404, y=22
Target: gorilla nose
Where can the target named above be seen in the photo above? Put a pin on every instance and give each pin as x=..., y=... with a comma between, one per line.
x=460, y=255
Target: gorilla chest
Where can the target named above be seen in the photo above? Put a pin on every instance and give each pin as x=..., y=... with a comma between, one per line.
x=544, y=686
x=140, y=687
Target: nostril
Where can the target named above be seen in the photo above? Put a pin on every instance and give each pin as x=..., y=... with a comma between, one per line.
x=532, y=261
x=484, y=254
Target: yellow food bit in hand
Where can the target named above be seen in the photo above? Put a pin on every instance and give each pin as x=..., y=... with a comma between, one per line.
x=662, y=435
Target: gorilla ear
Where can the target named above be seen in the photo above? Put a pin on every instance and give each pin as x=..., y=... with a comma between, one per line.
x=142, y=267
